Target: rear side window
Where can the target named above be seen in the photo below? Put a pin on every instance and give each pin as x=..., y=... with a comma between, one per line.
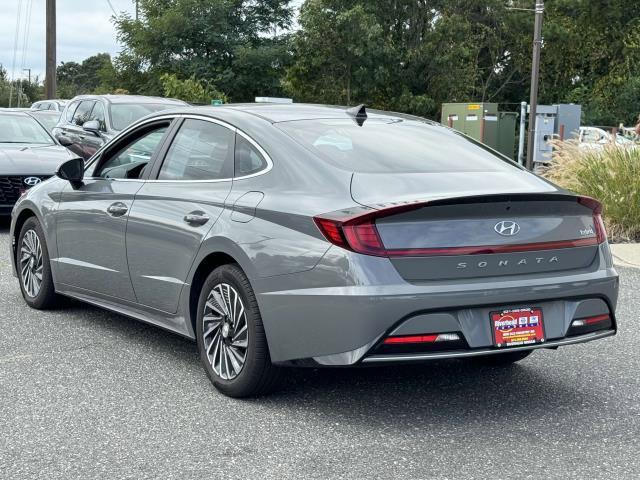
x=201, y=150
x=248, y=160
x=83, y=111
x=393, y=146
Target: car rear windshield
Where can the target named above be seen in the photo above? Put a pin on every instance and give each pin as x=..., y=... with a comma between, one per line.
x=393, y=146
x=48, y=118
x=124, y=114
x=19, y=129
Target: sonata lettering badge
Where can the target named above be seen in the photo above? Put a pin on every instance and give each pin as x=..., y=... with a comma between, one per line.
x=520, y=326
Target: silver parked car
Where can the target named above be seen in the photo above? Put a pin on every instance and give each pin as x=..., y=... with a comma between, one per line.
x=28, y=155
x=299, y=235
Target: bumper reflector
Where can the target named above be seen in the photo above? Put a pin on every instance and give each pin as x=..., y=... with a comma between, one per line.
x=432, y=338
x=583, y=322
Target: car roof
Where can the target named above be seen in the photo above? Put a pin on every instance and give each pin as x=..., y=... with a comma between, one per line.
x=275, y=113
x=130, y=99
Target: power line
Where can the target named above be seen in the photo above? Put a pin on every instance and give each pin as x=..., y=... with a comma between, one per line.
x=115, y=14
x=25, y=44
x=15, y=51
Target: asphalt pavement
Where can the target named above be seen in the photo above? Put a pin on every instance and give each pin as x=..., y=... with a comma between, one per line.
x=89, y=394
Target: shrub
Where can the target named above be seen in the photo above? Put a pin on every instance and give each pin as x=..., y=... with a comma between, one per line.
x=190, y=90
x=611, y=175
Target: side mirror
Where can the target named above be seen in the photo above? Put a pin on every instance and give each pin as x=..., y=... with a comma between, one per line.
x=92, y=126
x=64, y=141
x=72, y=171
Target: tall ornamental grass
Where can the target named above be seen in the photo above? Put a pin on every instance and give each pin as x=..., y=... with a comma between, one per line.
x=611, y=175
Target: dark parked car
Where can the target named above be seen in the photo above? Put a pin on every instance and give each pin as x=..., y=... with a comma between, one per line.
x=89, y=121
x=28, y=155
x=298, y=235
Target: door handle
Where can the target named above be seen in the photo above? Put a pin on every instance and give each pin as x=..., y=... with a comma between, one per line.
x=117, y=209
x=196, y=218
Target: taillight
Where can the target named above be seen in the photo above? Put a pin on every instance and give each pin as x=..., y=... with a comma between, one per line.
x=431, y=338
x=356, y=230
x=590, y=320
x=596, y=208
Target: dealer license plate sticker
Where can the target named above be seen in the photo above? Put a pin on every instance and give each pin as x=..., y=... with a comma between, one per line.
x=518, y=326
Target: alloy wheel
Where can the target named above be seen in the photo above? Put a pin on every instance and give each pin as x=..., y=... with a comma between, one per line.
x=225, y=333
x=31, y=263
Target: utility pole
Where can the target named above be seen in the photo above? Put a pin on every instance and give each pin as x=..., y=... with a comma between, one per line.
x=535, y=76
x=136, y=10
x=28, y=70
x=50, y=79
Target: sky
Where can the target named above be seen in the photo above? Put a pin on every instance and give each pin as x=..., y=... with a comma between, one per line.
x=84, y=28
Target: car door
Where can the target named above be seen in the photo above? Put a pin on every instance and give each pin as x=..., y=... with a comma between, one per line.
x=92, y=141
x=60, y=131
x=73, y=130
x=176, y=208
x=91, y=220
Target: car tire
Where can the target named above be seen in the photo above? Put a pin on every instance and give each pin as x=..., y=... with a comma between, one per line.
x=231, y=340
x=503, y=359
x=34, y=267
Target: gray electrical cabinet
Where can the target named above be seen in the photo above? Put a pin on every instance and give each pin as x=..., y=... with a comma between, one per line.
x=554, y=121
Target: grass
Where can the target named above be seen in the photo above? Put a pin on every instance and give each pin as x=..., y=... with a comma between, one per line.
x=611, y=175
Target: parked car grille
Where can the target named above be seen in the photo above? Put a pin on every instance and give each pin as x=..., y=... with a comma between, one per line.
x=12, y=187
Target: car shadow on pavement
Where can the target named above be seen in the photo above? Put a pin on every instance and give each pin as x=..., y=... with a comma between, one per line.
x=429, y=381
x=447, y=391
x=421, y=394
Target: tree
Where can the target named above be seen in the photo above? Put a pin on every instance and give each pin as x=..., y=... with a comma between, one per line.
x=413, y=55
x=96, y=74
x=190, y=90
x=232, y=44
x=337, y=55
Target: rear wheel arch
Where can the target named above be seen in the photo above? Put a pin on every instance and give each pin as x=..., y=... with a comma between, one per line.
x=205, y=267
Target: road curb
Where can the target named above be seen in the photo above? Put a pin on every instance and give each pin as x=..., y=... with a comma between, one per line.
x=626, y=254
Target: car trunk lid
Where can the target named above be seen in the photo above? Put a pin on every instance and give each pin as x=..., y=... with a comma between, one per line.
x=441, y=233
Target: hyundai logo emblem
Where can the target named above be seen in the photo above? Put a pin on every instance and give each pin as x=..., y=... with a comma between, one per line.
x=32, y=181
x=507, y=228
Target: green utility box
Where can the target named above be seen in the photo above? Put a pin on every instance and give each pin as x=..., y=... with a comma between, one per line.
x=483, y=122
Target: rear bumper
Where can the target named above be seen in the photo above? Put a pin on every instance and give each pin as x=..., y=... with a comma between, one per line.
x=386, y=359
x=307, y=322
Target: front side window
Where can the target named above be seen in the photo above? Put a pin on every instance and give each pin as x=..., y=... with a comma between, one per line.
x=201, y=150
x=391, y=145
x=70, y=111
x=130, y=160
x=83, y=112
x=98, y=114
x=248, y=160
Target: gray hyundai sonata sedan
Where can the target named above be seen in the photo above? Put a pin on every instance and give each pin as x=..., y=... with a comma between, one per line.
x=304, y=235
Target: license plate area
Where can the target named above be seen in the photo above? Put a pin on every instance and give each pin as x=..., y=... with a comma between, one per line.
x=517, y=327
